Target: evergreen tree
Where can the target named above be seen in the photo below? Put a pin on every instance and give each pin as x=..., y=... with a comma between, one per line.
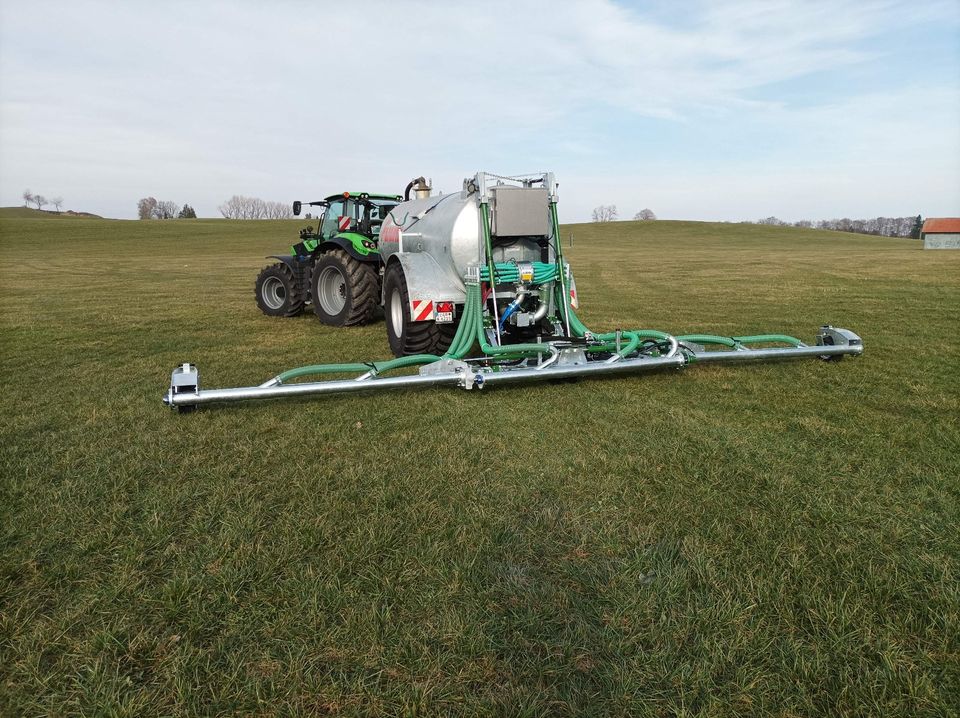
x=187, y=213
x=917, y=228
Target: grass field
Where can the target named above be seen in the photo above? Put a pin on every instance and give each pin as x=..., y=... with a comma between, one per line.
x=780, y=538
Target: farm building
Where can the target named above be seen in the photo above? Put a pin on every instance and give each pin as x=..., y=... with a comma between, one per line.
x=941, y=233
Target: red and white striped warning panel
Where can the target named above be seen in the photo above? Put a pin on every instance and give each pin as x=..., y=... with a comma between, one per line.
x=421, y=309
x=343, y=224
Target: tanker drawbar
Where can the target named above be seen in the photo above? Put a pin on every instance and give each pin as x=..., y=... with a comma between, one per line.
x=476, y=292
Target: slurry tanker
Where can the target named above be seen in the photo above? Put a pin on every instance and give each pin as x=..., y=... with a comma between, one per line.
x=475, y=292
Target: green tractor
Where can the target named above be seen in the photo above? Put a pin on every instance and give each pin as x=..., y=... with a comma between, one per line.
x=337, y=268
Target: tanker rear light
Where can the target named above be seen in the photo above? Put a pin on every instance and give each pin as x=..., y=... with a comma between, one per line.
x=444, y=312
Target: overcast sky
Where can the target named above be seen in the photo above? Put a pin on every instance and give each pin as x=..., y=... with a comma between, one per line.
x=714, y=110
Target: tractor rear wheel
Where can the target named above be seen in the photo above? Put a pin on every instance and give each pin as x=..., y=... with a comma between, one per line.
x=344, y=290
x=278, y=291
x=406, y=336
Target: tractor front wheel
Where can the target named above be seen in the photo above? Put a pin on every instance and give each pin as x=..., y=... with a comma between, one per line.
x=406, y=336
x=278, y=292
x=343, y=290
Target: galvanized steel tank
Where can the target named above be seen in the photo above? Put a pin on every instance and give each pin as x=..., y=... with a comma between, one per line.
x=449, y=227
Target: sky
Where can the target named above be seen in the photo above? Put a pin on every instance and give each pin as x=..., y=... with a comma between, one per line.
x=729, y=111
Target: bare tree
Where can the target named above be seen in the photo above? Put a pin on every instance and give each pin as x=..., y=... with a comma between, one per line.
x=39, y=200
x=240, y=207
x=605, y=213
x=57, y=202
x=278, y=210
x=645, y=214
x=165, y=210
x=234, y=208
x=146, y=207
x=27, y=197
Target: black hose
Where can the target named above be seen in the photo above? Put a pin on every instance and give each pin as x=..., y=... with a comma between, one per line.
x=406, y=191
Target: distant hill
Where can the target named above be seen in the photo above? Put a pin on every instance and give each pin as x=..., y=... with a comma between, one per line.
x=28, y=212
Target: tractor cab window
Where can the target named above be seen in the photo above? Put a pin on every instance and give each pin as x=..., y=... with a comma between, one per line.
x=378, y=212
x=331, y=221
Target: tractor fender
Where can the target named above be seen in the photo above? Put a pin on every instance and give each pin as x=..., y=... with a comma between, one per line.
x=301, y=267
x=426, y=280
x=347, y=246
x=288, y=259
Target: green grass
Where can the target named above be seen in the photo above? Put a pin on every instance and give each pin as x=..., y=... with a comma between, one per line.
x=778, y=538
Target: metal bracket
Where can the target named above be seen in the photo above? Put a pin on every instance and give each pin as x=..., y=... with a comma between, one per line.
x=444, y=366
x=830, y=336
x=185, y=379
x=572, y=356
x=470, y=380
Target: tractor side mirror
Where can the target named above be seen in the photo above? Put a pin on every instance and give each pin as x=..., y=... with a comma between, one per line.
x=296, y=208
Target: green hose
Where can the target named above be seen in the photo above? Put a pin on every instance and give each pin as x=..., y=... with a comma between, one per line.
x=511, y=349
x=401, y=362
x=463, y=340
x=708, y=339
x=732, y=342
x=768, y=339
x=509, y=272
x=322, y=369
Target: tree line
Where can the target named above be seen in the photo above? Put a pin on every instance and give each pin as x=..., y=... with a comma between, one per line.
x=40, y=201
x=237, y=207
x=240, y=207
x=879, y=226
x=152, y=208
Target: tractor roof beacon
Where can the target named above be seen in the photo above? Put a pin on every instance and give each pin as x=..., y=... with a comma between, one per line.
x=476, y=292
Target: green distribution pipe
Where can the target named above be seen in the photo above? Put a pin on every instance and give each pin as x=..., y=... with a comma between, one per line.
x=464, y=338
x=732, y=342
x=708, y=339
x=509, y=349
x=322, y=369
x=634, y=336
x=510, y=272
x=401, y=362
x=769, y=338
x=462, y=343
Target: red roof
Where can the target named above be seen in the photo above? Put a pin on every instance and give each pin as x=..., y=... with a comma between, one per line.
x=937, y=225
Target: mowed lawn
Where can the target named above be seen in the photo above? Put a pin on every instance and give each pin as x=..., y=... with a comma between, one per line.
x=779, y=538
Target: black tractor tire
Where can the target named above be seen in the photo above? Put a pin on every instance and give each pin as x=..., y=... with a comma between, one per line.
x=345, y=292
x=278, y=291
x=406, y=336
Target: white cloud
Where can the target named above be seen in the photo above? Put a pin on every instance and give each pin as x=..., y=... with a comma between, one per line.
x=105, y=103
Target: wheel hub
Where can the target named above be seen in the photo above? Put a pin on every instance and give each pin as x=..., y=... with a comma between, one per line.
x=331, y=290
x=396, y=313
x=274, y=293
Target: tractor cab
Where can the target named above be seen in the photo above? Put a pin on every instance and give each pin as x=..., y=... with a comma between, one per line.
x=351, y=220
